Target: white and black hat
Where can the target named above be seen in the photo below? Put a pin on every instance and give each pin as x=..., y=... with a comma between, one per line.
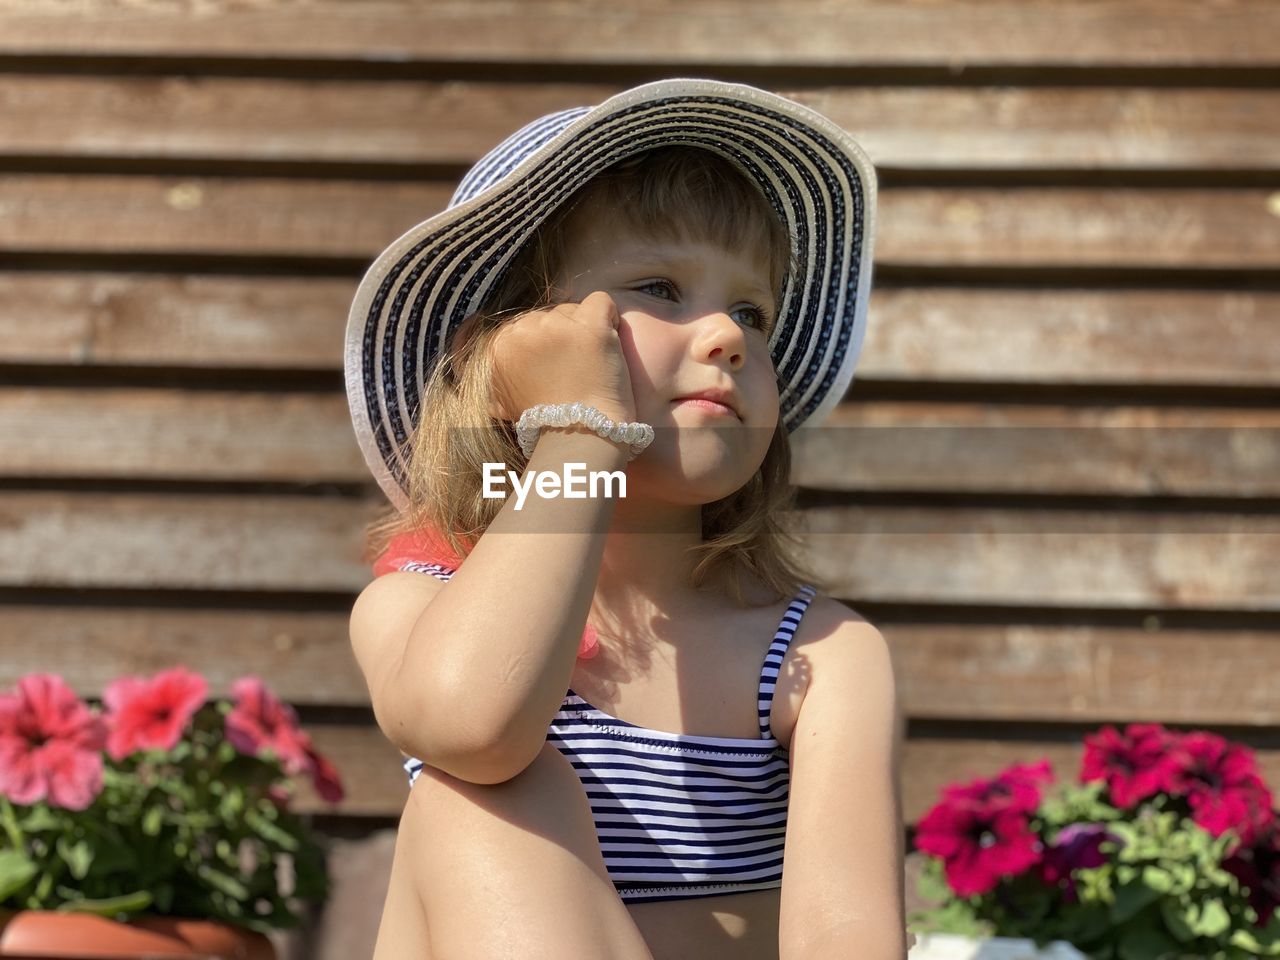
x=418, y=291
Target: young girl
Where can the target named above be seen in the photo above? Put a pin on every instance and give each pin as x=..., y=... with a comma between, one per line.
x=621, y=712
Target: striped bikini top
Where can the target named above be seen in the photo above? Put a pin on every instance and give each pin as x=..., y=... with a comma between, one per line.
x=677, y=815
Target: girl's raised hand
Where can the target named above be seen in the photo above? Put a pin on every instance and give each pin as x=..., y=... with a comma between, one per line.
x=564, y=353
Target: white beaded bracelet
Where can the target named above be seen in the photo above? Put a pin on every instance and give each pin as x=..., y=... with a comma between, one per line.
x=531, y=422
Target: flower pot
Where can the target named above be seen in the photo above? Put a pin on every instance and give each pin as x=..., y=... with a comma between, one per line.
x=953, y=946
x=84, y=936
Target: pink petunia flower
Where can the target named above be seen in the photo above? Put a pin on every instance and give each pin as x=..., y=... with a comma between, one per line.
x=151, y=714
x=1135, y=765
x=50, y=745
x=978, y=845
x=324, y=776
x=260, y=721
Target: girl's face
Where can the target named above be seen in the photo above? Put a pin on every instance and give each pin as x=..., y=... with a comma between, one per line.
x=694, y=317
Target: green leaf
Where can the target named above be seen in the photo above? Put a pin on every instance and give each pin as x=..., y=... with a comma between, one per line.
x=109, y=906
x=269, y=831
x=931, y=884
x=1086, y=925
x=40, y=818
x=78, y=856
x=224, y=882
x=232, y=805
x=16, y=871
x=1145, y=943
x=1157, y=879
x=1173, y=912
x=1131, y=899
x=1213, y=918
x=1260, y=942
x=153, y=820
x=1185, y=874
x=1127, y=833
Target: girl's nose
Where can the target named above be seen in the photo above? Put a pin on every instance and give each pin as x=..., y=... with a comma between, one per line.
x=722, y=337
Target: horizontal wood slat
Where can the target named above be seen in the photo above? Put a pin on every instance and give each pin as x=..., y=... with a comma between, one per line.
x=1032, y=227
x=197, y=435
x=251, y=218
x=948, y=333
x=1086, y=673
x=1076, y=228
x=304, y=438
x=304, y=656
x=454, y=123
x=181, y=542
x=1048, y=557
x=1039, y=557
x=1181, y=33
x=1075, y=336
x=1081, y=673
x=989, y=448
x=377, y=785
x=130, y=319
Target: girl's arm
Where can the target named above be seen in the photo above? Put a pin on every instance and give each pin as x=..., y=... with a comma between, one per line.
x=842, y=889
x=485, y=666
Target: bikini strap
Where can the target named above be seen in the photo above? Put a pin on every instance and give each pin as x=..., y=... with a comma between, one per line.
x=438, y=570
x=777, y=652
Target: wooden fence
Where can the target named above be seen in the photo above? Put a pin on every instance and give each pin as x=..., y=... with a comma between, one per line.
x=1054, y=483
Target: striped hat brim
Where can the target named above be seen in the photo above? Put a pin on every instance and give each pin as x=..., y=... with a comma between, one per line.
x=418, y=291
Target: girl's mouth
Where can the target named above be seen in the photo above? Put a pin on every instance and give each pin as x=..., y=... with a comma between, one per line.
x=710, y=406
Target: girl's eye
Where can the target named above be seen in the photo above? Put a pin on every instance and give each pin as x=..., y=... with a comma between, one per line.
x=760, y=320
x=659, y=284
x=760, y=317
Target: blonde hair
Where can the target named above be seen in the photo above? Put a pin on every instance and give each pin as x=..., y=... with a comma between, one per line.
x=675, y=191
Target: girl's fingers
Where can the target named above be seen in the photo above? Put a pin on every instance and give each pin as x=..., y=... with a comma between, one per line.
x=599, y=303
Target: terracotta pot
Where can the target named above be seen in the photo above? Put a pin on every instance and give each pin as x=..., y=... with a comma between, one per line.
x=83, y=936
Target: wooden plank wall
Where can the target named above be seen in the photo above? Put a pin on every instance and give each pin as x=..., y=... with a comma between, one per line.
x=1054, y=484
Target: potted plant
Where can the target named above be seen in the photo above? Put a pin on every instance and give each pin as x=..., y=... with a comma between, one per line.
x=161, y=825
x=1167, y=847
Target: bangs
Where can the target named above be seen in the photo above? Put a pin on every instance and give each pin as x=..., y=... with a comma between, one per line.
x=679, y=193
x=692, y=194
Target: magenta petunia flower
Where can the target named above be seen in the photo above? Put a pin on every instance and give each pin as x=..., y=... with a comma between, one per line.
x=978, y=845
x=151, y=714
x=1257, y=866
x=1016, y=788
x=1135, y=765
x=1221, y=783
x=50, y=745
